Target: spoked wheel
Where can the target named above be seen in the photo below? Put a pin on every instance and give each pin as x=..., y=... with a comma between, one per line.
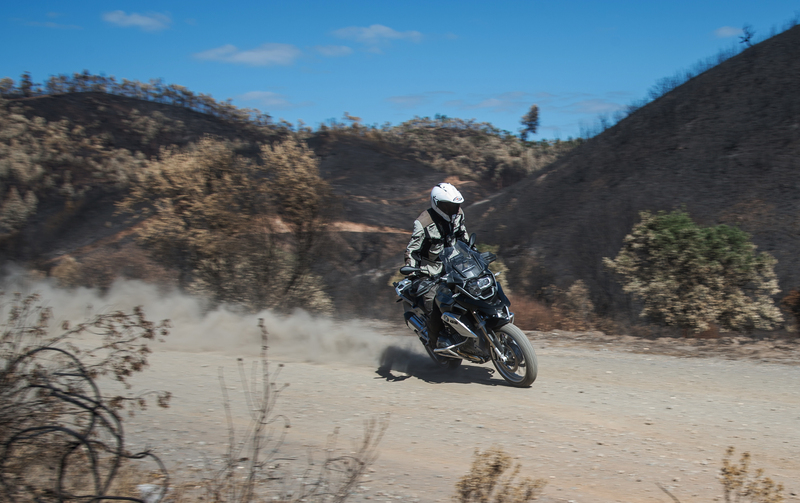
x=518, y=364
x=443, y=362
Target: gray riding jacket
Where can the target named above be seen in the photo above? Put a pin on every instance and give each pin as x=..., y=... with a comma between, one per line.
x=428, y=239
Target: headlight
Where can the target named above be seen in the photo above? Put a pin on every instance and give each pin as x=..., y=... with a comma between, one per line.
x=480, y=288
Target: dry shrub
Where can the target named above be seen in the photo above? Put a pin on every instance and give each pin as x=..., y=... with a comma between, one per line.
x=41, y=159
x=569, y=309
x=237, y=232
x=577, y=306
x=15, y=210
x=791, y=305
x=740, y=486
x=67, y=273
x=487, y=481
x=531, y=314
x=254, y=467
x=60, y=437
x=99, y=269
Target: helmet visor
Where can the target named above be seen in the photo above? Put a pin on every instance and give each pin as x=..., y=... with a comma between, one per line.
x=448, y=208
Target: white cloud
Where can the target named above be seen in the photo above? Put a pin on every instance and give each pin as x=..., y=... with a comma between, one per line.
x=152, y=21
x=333, y=51
x=271, y=100
x=263, y=55
x=727, y=32
x=376, y=36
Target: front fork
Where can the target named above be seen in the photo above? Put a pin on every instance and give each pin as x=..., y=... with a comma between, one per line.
x=480, y=322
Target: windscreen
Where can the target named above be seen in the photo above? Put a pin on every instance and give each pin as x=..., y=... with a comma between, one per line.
x=461, y=260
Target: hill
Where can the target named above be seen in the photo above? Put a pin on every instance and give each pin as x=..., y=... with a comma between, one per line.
x=725, y=145
x=69, y=157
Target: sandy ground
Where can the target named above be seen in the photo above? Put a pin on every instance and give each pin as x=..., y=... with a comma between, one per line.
x=606, y=420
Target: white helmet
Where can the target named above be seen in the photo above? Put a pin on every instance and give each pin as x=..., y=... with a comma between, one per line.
x=446, y=200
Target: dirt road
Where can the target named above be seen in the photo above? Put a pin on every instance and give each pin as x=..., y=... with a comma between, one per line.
x=600, y=424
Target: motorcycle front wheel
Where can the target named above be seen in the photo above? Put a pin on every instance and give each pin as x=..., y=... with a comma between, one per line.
x=518, y=365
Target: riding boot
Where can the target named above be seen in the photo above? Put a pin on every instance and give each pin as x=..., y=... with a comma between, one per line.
x=435, y=323
x=435, y=326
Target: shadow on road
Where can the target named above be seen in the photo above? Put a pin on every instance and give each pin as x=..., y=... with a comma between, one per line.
x=399, y=364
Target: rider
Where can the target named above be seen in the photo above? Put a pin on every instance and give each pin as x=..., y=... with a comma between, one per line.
x=433, y=229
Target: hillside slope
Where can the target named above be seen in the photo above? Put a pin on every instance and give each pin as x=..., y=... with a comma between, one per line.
x=379, y=195
x=82, y=151
x=726, y=145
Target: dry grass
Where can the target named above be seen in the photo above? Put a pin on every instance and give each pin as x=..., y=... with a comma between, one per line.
x=489, y=482
x=254, y=467
x=563, y=310
x=531, y=314
x=739, y=485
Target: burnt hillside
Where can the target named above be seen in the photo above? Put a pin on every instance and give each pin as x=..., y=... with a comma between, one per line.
x=137, y=124
x=726, y=145
x=76, y=155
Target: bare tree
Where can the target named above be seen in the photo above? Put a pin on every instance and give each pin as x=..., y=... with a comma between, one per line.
x=531, y=122
x=747, y=35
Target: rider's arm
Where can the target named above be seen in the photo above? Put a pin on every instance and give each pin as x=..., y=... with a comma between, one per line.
x=461, y=230
x=415, y=245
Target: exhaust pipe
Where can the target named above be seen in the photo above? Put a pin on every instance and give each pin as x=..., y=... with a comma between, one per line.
x=458, y=325
x=415, y=323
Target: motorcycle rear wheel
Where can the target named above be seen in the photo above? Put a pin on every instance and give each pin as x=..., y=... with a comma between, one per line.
x=520, y=366
x=443, y=362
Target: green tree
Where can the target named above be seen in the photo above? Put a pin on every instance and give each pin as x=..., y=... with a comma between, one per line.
x=531, y=122
x=691, y=276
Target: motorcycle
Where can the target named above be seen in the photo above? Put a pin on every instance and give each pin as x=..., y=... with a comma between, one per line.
x=478, y=325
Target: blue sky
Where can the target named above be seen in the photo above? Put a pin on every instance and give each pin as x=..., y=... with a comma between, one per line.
x=388, y=61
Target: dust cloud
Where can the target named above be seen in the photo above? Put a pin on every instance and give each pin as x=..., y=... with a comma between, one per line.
x=195, y=328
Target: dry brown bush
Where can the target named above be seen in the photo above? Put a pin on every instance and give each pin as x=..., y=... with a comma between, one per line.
x=555, y=308
x=60, y=437
x=531, y=314
x=254, y=468
x=67, y=272
x=222, y=221
x=740, y=486
x=488, y=482
x=100, y=268
x=791, y=306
